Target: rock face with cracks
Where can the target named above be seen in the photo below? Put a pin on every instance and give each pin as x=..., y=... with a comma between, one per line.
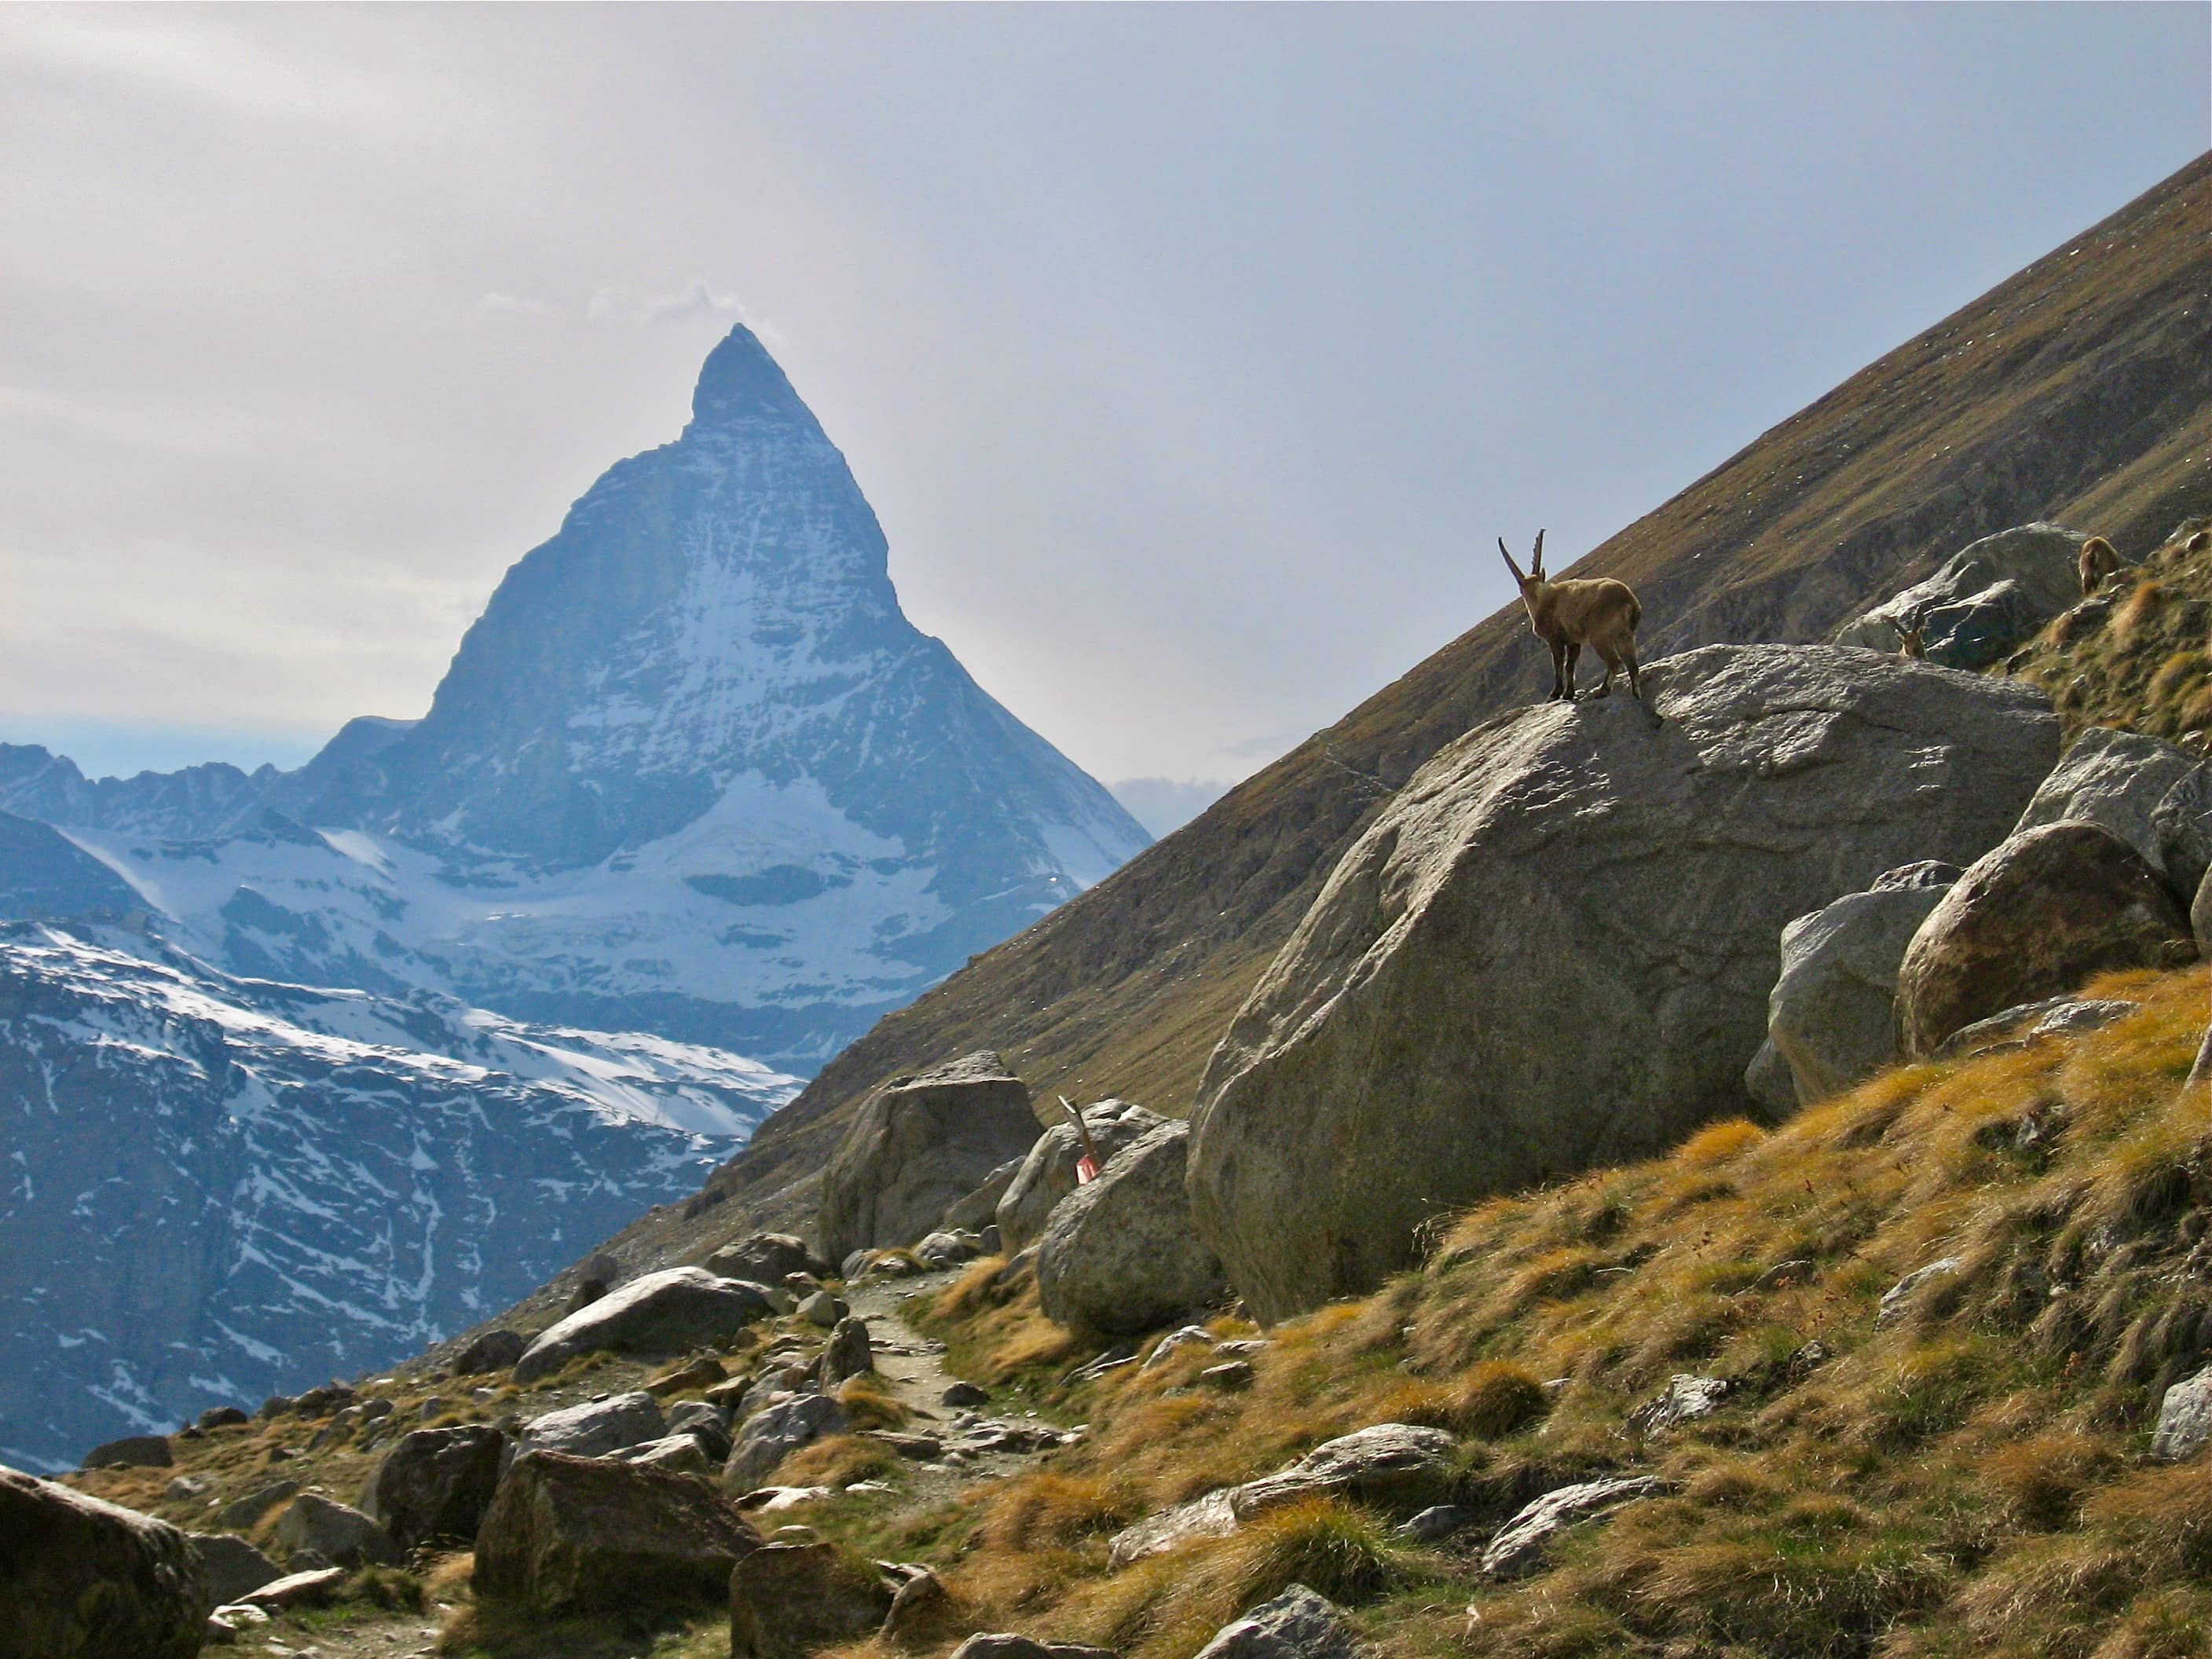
x=919, y=1146
x=436, y=1484
x=1122, y=1254
x=1554, y=948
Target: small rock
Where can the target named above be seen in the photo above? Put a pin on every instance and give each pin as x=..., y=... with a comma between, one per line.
x=922, y=1610
x=133, y=1451
x=775, y=1432
x=965, y=1393
x=298, y=1589
x=849, y=1352
x=2184, y=1420
x=1683, y=1400
x=1391, y=1465
x=1210, y=1516
x=1521, y=1543
x=774, y=1500
x=1898, y=1296
x=680, y=1452
x=184, y=1487
x=494, y=1351
x=1229, y=1376
x=1783, y=1273
x=1296, y=1625
x=821, y=1308
x=1175, y=1341
x=764, y=1258
x=337, y=1532
x=1438, y=1521
x=234, y=1620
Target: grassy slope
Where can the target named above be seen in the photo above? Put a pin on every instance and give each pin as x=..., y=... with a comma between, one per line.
x=1970, y=1480
x=2079, y=390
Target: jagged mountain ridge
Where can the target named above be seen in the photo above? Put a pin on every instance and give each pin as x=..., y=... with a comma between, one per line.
x=212, y=1189
x=2079, y=390
x=693, y=771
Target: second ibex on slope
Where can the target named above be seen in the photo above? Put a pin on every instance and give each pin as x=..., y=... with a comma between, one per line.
x=1595, y=612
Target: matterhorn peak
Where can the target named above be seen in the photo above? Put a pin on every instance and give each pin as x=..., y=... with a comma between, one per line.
x=740, y=383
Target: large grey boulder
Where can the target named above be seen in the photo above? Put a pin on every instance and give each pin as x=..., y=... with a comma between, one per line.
x=337, y=1532
x=1832, y=1016
x=2034, y=918
x=1122, y=1253
x=1983, y=601
x=766, y=1259
x=775, y=1432
x=436, y=1483
x=2151, y=794
x=597, y=1427
x=1297, y=1625
x=980, y=1207
x=94, y=1581
x=788, y=1600
x=663, y=1312
x=1047, y=1172
x=584, y=1532
x=230, y=1567
x=917, y=1145
x=1553, y=948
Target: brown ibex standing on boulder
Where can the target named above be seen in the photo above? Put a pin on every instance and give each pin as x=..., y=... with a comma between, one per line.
x=2100, y=562
x=1596, y=611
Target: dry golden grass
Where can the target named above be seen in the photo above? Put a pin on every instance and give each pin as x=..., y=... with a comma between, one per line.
x=1966, y=1481
x=837, y=1460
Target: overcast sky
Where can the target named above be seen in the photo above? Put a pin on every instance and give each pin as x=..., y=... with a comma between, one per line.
x=1192, y=357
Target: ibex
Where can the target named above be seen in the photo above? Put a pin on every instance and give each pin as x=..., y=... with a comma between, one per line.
x=2100, y=562
x=1597, y=612
x=1909, y=643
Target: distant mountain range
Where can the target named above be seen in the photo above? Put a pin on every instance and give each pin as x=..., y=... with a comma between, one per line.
x=301, y=1071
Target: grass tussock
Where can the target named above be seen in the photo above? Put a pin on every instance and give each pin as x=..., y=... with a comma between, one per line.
x=1969, y=1479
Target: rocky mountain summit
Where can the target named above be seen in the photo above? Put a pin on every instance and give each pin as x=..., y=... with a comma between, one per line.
x=692, y=772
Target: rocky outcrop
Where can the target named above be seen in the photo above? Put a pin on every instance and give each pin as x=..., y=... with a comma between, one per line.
x=2035, y=918
x=337, y=1533
x=775, y=1432
x=1554, y=948
x=1296, y=1625
x=663, y=1312
x=598, y=1427
x=435, y=1484
x=1391, y=1465
x=766, y=1259
x=576, y=1533
x=1047, y=1172
x=494, y=1351
x=1981, y=602
x=1832, y=1017
x=1122, y=1254
x=790, y=1600
x=1522, y=1543
x=87, y=1579
x=918, y=1145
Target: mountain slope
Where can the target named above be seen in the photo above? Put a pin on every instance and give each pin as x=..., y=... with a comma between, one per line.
x=2080, y=391
x=693, y=771
x=212, y=1189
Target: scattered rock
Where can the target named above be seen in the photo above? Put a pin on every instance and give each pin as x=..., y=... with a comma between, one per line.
x=577, y=1533
x=1175, y=1341
x=2035, y=918
x=2184, y=1420
x=435, y=1485
x=766, y=1258
x=133, y=1451
x=230, y=1568
x=227, y=1623
x=1296, y=1625
x=1983, y=601
x=1684, y=1400
x=923, y=1611
x=298, y=1589
x=1046, y=1173
x=686, y=1453
x=243, y=1514
x=790, y=1600
x=775, y=1432
x=337, y=1532
x=1004, y=1644
x=1229, y=1376
x=1436, y=1522
x=948, y=1249
x=1122, y=1253
x=222, y=1417
x=848, y=1352
x=1392, y=1466
x=703, y=1418
x=918, y=1145
x=597, y=1427
x=663, y=1312
x=960, y=1394
x=494, y=1351
x=1401, y=1057
x=821, y=1308
x=184, y=1487
x=1209, y=1516
x=2017, y=1027
x=1832, y=1016
x=1521, y=1543
x=1898, y=1298
x=701, y=1371
x=89, y=1580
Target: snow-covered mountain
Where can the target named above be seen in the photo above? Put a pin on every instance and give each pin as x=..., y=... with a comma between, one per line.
x=693, y=771
x=212, y=1189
